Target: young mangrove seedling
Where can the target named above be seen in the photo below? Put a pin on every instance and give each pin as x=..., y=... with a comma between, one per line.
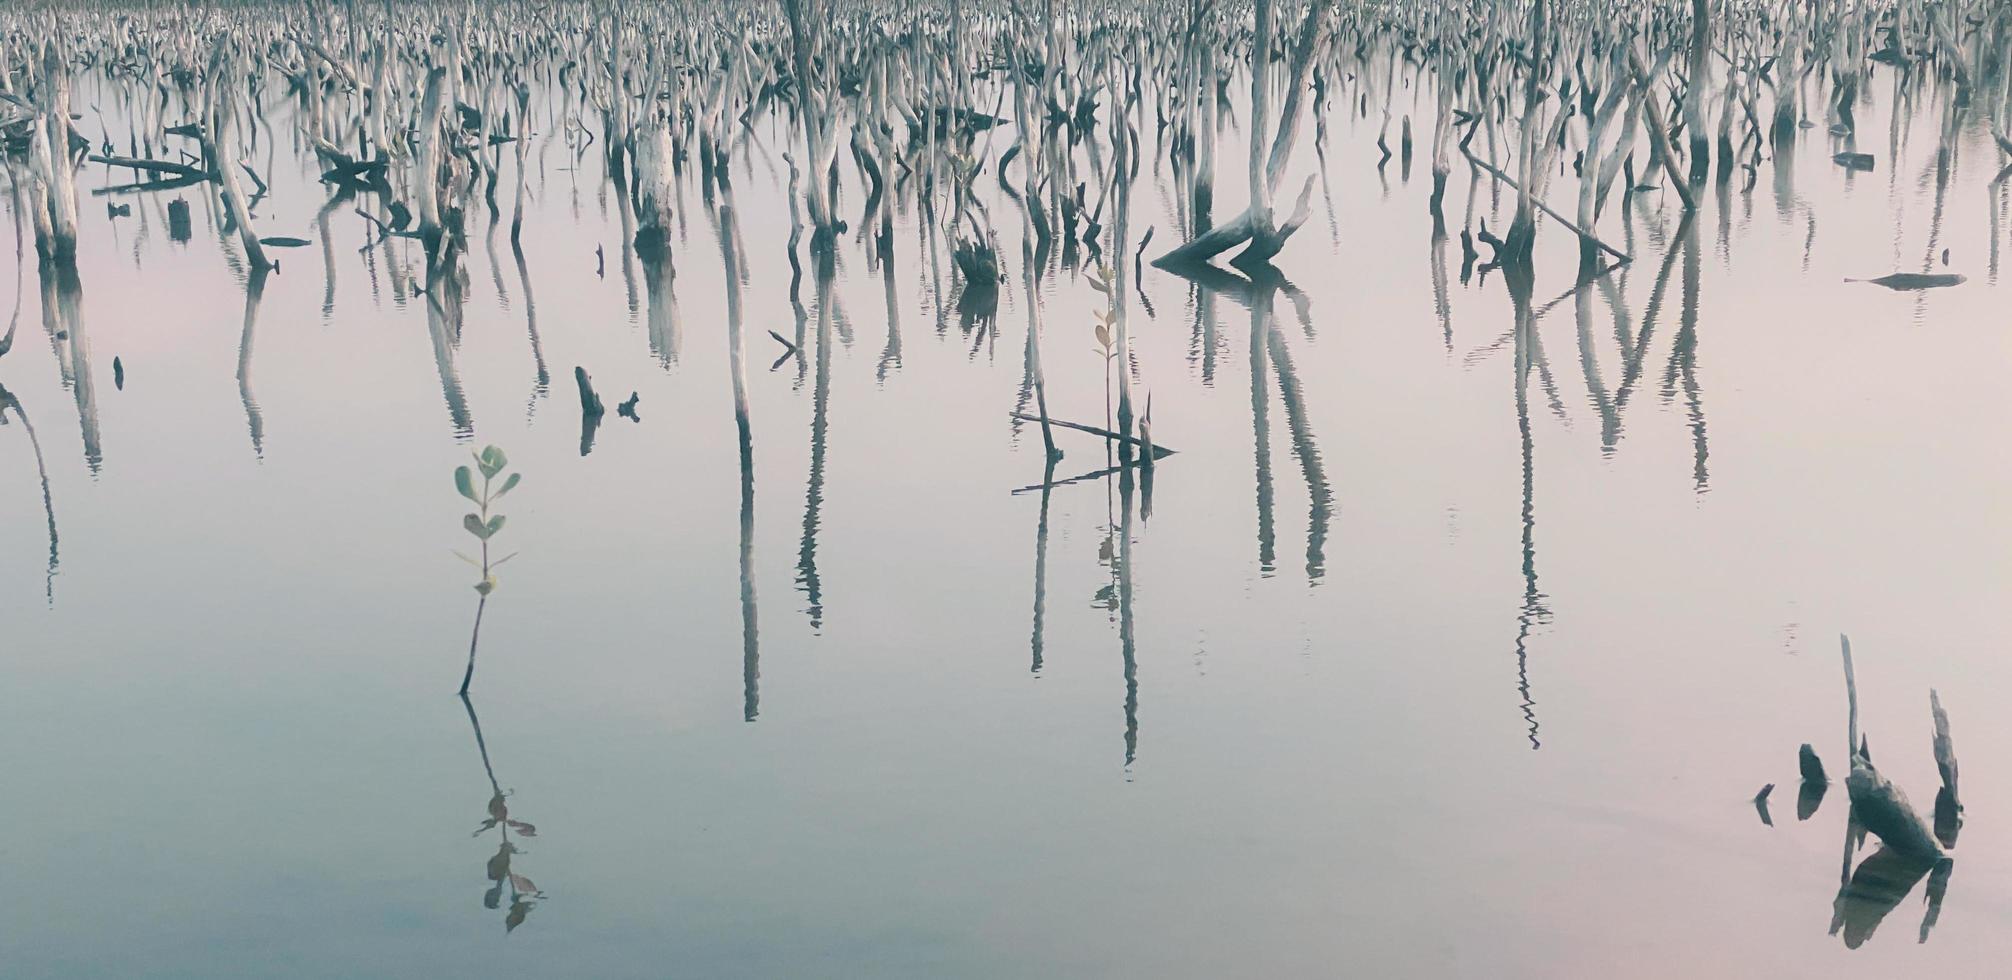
x=1100, y=280
x=484, y=525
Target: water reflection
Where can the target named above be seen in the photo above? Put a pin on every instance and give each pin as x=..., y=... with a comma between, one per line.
x=502, y=869
x=63, y=320
x=8, y=401
x=1270, y=354
x=727, y=230
x=444, y=309
x=820, y=428
x=1533, y=610
x=1877, y=887
x=909, y=99
x=254, y=419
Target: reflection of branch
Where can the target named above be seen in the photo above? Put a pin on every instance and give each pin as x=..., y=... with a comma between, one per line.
x=543, y=378
x=1158, y=450
x=1532, y=610
x=7, y=400
x=1683, y=359
x=254, y=421
x=1320, y=497
x=1049, y=482
x=1127, y=634
x=813, y=499
x=728, y=232
x=63, y=318
x=443, y=326
x=1041, y=563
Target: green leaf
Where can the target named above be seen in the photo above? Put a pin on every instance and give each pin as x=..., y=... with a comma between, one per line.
x=464, y=481
x=507, y=486
x=495, y=525
x=473, y=522
x=492, y=461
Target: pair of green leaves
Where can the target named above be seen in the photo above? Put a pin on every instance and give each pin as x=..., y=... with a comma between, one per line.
x=464, y=479
x=480, y=528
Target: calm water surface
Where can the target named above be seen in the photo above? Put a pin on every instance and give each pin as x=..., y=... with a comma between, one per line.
x=1440, y=652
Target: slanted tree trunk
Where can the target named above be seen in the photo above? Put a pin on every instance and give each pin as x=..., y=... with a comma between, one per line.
x=811, y=111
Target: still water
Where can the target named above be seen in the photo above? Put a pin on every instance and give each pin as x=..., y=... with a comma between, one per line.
x=1437, y=651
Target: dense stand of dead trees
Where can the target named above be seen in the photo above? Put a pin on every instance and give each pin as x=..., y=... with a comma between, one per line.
x=413, y=104
x=975, y=116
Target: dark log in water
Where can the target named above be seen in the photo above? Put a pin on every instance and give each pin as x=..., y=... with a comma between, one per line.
x=1915, y=280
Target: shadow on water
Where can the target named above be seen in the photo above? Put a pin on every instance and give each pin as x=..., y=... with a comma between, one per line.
x=501, y=869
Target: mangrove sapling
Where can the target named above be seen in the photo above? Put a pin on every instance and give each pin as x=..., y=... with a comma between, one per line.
x=484, y=525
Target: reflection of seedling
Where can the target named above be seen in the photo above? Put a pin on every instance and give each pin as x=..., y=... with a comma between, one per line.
x=523, y=893
x=484, y=525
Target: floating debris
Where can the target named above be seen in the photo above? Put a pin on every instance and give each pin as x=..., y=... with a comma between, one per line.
x=1916, y=280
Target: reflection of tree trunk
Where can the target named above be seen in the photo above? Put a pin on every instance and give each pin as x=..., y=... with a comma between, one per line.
x=63, y=317
x=1127, y=635
x=1589, y=365
x=254, y=420
x=443, y=326
x=1033, y=258
x=1532, y=610
x=1682, y=370
x=1261, y=424
x=1875, y=889
x=813, y=500
x=340, y=198
x=658, y=280
x=1441, y=306
x=1320, y=498
x=628, y=216
x=729, y=237
x=890, y=356
x=543, y=378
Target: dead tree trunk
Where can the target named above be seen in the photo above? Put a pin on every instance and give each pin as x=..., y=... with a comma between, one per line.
x=1257, y=224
